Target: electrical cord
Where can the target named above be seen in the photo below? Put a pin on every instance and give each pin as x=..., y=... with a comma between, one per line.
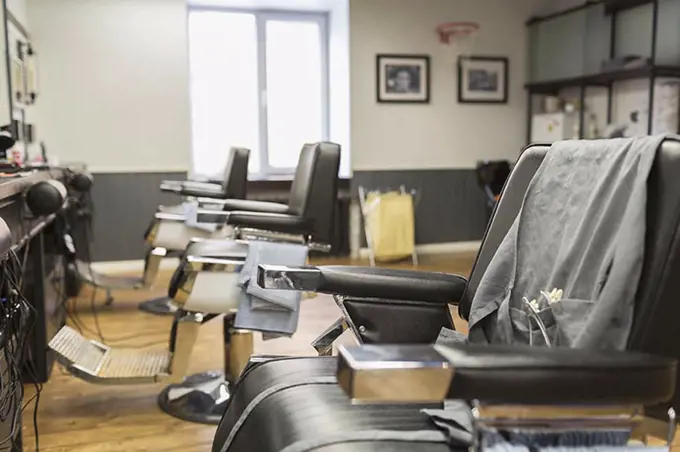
x=19, y=320
x=73, y=315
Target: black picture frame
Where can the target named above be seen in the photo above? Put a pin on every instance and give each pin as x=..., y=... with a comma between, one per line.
x=381, y=65
x=464, y=96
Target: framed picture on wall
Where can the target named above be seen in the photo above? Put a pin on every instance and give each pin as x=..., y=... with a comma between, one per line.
x=403, y=78
x=483, y=80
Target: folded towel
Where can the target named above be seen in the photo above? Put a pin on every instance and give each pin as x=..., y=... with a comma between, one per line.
x=190, y=209
x=273, y=312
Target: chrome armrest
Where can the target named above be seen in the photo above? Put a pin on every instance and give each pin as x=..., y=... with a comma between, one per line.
x=281, y=277
x=394, y=374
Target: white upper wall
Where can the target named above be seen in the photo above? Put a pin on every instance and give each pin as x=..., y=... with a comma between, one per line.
x=442, y=134
x=114, y=82
x=18, y=9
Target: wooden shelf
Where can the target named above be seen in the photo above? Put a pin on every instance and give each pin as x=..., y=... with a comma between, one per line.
x=602, y=79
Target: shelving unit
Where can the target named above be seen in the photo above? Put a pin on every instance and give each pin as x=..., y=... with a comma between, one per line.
x=595, y=27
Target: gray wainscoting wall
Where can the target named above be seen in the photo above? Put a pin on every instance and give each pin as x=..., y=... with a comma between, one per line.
x=124, y=205
x=450, y=205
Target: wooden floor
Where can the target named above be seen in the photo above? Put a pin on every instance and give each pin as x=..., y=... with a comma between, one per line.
x=77, y=416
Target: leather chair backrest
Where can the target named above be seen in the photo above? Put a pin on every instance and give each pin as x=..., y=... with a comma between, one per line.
x=236, y=173
x=657, y=306
x=502, y=218
x=314, y=192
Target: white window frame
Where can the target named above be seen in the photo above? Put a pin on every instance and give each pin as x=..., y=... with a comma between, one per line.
x=261, y=18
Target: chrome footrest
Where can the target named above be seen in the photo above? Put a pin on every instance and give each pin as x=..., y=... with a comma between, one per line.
x=97, y=363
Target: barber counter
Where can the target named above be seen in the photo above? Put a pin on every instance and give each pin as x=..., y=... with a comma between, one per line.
x=34, y=240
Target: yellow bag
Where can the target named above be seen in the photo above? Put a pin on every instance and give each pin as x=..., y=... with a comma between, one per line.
x=390, y=225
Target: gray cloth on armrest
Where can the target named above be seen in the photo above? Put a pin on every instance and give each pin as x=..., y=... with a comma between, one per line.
x=190, y=210
x=274, y=312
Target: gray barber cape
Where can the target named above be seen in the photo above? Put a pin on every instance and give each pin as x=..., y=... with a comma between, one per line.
x=580, y=230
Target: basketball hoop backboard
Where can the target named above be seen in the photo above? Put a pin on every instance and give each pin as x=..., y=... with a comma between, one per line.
x=459, y=36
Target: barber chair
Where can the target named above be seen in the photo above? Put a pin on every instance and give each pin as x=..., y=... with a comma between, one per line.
x=385, y=306
x=232, y=186
x=204, y=285
x=160, y=238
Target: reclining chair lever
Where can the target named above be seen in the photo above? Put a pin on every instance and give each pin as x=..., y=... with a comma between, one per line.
x=323, y=344
x=394, y=374
x=281, y=277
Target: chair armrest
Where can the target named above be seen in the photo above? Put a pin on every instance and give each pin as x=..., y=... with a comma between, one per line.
x=275, y=222
x=366, y=282
x=380, y=306
x=171, y=186
x=193, y=188
x=282, y=277
x=245, y=205
x=504, y=375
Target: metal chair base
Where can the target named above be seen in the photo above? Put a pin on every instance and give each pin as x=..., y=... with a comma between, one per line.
x=158, y=306
x=200, y=398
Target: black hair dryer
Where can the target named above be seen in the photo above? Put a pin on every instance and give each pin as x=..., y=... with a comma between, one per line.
x=6, y=143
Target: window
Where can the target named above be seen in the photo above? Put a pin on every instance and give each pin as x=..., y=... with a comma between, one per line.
x=258, y=80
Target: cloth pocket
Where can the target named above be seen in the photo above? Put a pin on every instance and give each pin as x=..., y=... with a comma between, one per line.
x=570, y=316
x=526, y=329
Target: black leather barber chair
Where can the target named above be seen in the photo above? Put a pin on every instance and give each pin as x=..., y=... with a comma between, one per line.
x=383, y=306
x=232, y=185
x=165, y=239
x=204, y=285
x=173, y=232
x=491, y=176
x=206, y=278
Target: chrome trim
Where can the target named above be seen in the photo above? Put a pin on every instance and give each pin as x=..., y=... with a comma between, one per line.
x=323, y=344
x=268, y=236
x=153, y=264
x=164, y=216
x=184, y=287
x=672, y=426
x=153, y=232
x=340, y=301
x=557, y=417
x=213, y=264
x=394, y=374
x=282, y=277
x=273, y=236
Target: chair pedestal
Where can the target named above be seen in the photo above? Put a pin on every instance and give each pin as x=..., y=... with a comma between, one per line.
x=204, y=397
x=158, y=306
